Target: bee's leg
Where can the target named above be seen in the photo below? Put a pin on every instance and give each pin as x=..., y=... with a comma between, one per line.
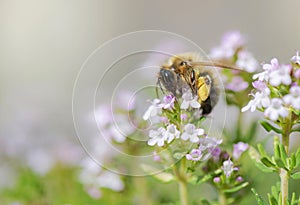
x=158, y=84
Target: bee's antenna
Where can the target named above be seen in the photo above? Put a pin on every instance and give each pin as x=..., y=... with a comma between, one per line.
x=217, y=64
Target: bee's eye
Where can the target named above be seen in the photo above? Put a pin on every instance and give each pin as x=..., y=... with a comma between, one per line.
x=183, y=63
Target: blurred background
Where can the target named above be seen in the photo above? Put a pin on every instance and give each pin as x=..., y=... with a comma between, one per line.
x=43, y=44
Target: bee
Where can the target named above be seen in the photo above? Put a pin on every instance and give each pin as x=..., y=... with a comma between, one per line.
x=190, y=71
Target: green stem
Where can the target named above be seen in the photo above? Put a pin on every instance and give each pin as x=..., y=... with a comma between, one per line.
x=182, y=181
x=284, y=175
x=222, y=198
x=183, y=193
x=142, y=196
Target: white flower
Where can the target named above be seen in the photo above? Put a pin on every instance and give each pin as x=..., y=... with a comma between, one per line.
x=263, y=76
x=247, y=61
x=126, y=100
x=296, y=59
x=231, y=42
x=94, y=177
x=228, y=167
x=238, y=149
x=189, y=100
x=110, y=180
x=209, y=142
x=268, y=68
x=293, y=98
x=276, y=109
x=191, y=133
x=261, y=99
x=281, y=75
x=157, y=137
x=171, y=133
x=153, y=110
x=194, y=155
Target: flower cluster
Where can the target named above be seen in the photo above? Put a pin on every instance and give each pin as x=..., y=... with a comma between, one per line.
x=277, y=89
x=176, y=121
x=229, y=175
x=233, y=51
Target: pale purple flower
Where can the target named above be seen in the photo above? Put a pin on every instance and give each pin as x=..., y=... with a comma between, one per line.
x=268, y=68
x=293, y=98
x=296, y=59
x=260, y=100
x=233, y=39
x=239, y=179
x=260, y=85
x=263, y=76
x=276, y=110
x=215, y=152
x=247, y=61
x=126, y=100
x=231, y=42
x=238, y=149
x=228, y=167
x=221, y=52
x=103, y=115
x=209, y=143
x=94, y=192
x=153, y=110
x=183, y=117
x=189, y=101
x=40, y=161
x=194, y=155
x=274, y=65
x=156, y=157
x=110, y=180
x=191, y=133
x=281, y=76
x=171, y=133
x=217, y=180
x=157, y=137
x=297, y=74
x=168, y=102
x=114, y=133
x=163, y=119
x=237, y=84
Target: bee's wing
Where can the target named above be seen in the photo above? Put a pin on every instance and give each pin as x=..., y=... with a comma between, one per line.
x=216, y=64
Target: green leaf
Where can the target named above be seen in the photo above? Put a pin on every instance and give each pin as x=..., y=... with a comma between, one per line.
x=298, y=157
x=267, y=162
x=272, y=200
x=277, y=153
x=268, y=127
x=252, y=131
x=296, y=175
x=205, y=202
x=293, y=200
x=157, y=174
x=293, y=161
x=261, y=150
x=296, y=129
x=253, y=154
x=280, y=163
x=179, y=155
x=237, y=188
x=263, y=168
x=283, y=153
x=206, y=177
x=258, y=198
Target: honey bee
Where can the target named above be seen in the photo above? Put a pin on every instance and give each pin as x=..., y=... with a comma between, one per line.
x=189, y=71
